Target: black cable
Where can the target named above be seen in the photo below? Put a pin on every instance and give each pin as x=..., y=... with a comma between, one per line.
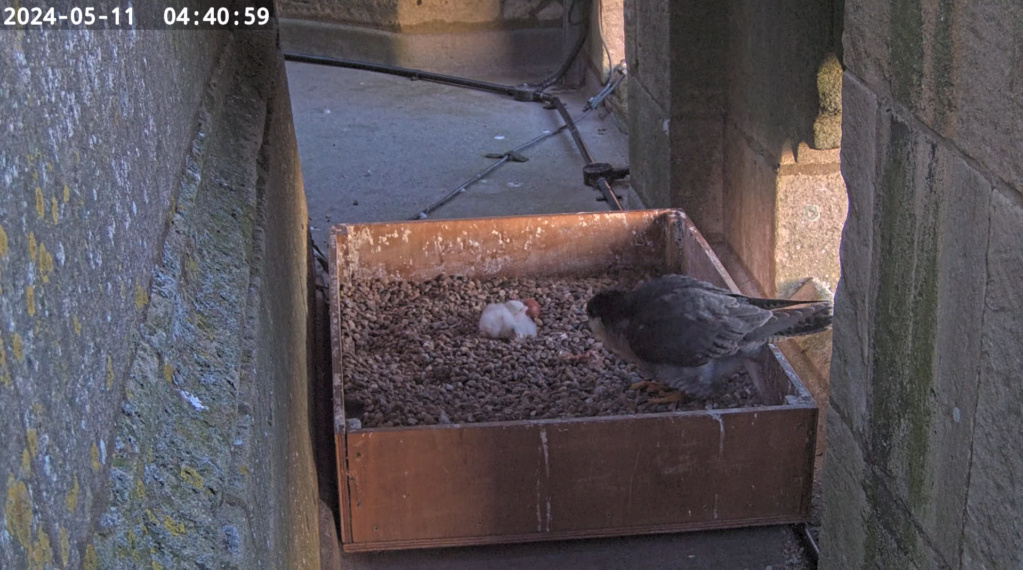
x=413, y=74
x=527, y=92
x=572, y=130
x=584, y=29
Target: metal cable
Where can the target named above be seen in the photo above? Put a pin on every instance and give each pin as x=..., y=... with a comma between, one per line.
x=413, y=74
x=507, y=156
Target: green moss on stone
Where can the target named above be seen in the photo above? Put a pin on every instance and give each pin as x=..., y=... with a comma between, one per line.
x=942, y=81
x=907, y=52
x=904, y=339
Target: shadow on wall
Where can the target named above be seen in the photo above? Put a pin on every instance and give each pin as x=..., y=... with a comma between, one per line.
x=470, y=39
x=739, y=104
x=783, y=199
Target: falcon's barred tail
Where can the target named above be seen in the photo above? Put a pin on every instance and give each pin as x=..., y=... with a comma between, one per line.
x=797, y=321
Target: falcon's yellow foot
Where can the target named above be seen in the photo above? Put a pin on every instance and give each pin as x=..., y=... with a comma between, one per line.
x=650, y=387
x=668, y=397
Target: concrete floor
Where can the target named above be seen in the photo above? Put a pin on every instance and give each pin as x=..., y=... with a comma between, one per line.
x=376, y=147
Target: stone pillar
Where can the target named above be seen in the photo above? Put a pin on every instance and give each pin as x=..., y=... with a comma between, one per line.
x=675, y=52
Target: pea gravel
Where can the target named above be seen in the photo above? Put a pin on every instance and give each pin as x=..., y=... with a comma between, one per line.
x=412, y=355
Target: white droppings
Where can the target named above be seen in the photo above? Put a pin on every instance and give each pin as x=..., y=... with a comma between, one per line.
x=957, y=416
x=543, y=446
x=721, y=426
x=103, y=452
x=543, y=520
x=194, y=401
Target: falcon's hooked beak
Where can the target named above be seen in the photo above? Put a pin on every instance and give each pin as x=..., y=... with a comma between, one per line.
x=597, y=326
x=605, y=309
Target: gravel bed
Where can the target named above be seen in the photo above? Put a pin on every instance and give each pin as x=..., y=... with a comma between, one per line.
x=412, y=355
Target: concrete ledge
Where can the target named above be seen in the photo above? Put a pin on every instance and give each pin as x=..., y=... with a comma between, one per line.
x=480, y=53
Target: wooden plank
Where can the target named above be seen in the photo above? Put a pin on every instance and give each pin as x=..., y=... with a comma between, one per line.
x=586, y=477
x=446, y=481
x=336, y=263
x=684, y=469
x=562, y=244
x=517, y=538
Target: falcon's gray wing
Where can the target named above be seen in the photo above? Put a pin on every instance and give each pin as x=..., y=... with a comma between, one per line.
x=685, y=322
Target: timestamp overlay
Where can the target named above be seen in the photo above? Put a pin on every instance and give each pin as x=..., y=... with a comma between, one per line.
x=28, y=15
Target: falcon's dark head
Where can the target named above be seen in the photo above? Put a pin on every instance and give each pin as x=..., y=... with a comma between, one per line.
x=609, y=314
x=609, y=306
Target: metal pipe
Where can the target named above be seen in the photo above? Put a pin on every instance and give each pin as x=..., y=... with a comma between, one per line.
x=617, y=76
x=451, y=195
x=603, y=184
x=571, y=129
x=413, y=74
x=609, y=194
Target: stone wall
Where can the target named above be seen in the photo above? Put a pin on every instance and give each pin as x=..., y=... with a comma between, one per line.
x=923, y=468
x=153, y=289
x=740, y=107
x=469, y=38
x=428, y=16
x=781, y=191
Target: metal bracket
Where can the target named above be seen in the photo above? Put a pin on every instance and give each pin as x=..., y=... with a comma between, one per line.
x=594, y=171
x=511, y=154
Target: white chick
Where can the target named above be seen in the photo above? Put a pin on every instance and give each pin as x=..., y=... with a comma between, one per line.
x=506, y=320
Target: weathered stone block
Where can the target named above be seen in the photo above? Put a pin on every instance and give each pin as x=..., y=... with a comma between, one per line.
x=90, y=165
x=827, y=131
x=846, y=510
x=650, y=154
x=772, y=66
x=698, y=47
x=697, y=141
x=866, y=42
x=850, y=380
x=651, y=62
x=920, y=360
x=955, y=66
x=977, y=98
x=809, y=213
x=962, y=242
x=993, y=529
x=607, y=30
